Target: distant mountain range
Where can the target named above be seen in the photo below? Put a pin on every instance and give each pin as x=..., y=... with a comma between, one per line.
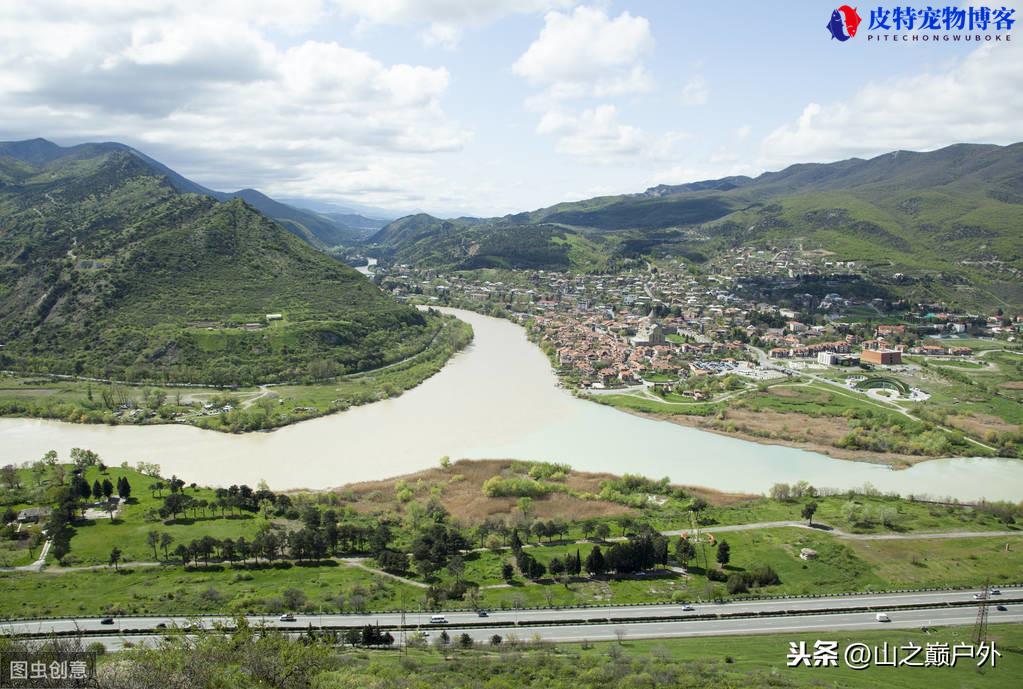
x=114, y=266
x=950, y=220
x=320, y=229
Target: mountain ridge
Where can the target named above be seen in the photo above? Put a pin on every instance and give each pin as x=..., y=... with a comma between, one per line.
x=949, y=215
x=319, y=230
x=108, y=270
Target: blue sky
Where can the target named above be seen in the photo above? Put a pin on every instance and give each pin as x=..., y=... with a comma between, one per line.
x=486, y=107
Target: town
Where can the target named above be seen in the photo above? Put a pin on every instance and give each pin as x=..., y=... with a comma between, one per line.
x=661, y=327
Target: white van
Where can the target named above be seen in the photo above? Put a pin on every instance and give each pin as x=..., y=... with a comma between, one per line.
x=882, y=617
x=438, y=619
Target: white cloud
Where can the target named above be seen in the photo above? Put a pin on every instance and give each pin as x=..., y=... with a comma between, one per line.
x=588, y=54
x=743, y=132
x=202, y=86
x=446, y=36
x=444, y=19
x=978, y=100
x=695, y=92
x=594, y=133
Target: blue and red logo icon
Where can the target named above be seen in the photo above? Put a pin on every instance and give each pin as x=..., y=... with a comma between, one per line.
x=844, y=23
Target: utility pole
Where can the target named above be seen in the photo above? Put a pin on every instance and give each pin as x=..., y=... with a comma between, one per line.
x=695, y=526
x=404, y=639
x=980, y=627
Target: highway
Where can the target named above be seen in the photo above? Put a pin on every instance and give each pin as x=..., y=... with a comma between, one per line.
x=781, y=611
x=837, y=623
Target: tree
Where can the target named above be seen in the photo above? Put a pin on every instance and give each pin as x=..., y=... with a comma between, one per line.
x=83, y=458
x=165, y=540
x=123, y=488
x=595, y=561
x=465, y=641
x=507, y=571
x=153, y=539
x=81, y=488
x=97, y=490
x=228, y=550
x=557, y=567
x=602, y=531
x=808, y=511
x=724, y=553
x=9, y=475
x=536, y=569
x=456, y=567
x=574, y=565
x=115, y=556
x=393, y=561
x=60, y=549
x=107, y=488
x=685, y=551
x=182, y=552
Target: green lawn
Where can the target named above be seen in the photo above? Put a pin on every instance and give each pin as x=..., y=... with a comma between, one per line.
x=93, y=539
x=841, y=566
x=174, y=590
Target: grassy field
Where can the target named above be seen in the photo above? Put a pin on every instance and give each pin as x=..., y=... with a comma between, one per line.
x=94, y=538
x=903, y=516
x=842, y=565
x=175, y=590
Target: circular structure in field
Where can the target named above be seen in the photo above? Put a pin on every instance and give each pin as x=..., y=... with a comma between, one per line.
x=883, y=383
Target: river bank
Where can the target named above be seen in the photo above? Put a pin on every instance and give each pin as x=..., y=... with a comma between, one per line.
x=890, y=459
x=261, y=408
x=820, y=433
x=498, y=397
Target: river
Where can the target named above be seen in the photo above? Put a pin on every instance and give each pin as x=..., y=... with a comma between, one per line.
x=496, y=399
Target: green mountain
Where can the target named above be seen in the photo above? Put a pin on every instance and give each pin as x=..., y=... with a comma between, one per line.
x=108, y=269
x=320, y=230
x=950, y=220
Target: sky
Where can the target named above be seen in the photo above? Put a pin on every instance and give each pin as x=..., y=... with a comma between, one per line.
x=486, y=107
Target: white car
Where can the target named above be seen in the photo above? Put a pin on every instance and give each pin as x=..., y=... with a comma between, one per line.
x=882, y=617
x=287, y=617
x=687, y=608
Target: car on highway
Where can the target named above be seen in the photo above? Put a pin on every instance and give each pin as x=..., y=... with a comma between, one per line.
x=688, y=608
x=107, y=620
x=287, y=617
x=995, y=592
x=438, y=619
x=979, y=596
x=482, y=613
x=882, y=617
x=1001, y=608
x=161, y=625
